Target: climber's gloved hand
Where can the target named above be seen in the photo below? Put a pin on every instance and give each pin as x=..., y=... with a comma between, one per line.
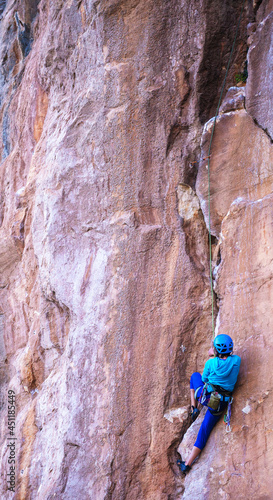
x=194, y=414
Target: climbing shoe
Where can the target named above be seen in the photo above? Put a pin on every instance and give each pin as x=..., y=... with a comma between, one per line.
x=183, y=467
x=194, y=414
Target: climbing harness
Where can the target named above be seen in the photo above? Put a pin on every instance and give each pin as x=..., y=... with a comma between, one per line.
x=195, y=394
x=227, y=417
x=208, y=158
x=204, y=396
x=211, y=396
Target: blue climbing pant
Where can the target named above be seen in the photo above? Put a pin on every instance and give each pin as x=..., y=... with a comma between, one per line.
x=197, y=382
x=210, y=419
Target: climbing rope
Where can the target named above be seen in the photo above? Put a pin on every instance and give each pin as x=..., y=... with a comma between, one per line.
x=208, y=157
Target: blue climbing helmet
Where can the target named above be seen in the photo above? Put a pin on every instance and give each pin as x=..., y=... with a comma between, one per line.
x=223, y=344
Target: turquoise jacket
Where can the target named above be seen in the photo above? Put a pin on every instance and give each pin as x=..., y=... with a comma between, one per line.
x=223, y=372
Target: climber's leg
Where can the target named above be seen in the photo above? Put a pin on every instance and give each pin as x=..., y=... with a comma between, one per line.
x=207, y=425
x=195, y=383
x=193, y=400
x=194, y=454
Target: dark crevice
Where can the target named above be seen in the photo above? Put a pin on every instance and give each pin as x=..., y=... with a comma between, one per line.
x=3, y=4
x=20, y=27
x=5, y=134
x=111, y=488
x=173, y=456
x=217, y=48
x=70, y=454
x=218, y=256
x=175, y=131
x=64, y=313
x=258, y=4
x=214, y=240
x=28, y=11
x=24, y=35
x=214, y=244
x=191, y=228
x=191, y=170
x=216, y=301
x=216, y=260
x=263, y=129
x=179, y=126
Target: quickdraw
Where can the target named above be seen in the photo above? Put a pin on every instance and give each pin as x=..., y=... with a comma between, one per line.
x=227, y=417
x=203, y=396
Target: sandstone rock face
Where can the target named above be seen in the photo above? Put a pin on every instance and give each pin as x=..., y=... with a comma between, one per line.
x=239, y=166
x=104, y=283
x=241, y=217
x=260, y=55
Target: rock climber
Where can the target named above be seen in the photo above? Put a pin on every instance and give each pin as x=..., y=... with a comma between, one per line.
x=213, y=389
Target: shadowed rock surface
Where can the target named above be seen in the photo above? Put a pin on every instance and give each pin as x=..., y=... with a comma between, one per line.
x=104, y=262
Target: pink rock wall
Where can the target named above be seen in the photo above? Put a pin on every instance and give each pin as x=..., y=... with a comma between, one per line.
x=105, y=294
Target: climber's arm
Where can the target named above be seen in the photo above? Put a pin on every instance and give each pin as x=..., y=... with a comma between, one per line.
x=206, y=372
x=236, y=368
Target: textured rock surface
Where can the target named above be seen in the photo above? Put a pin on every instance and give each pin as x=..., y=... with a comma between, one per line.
x=241, y=201
x=105, y=297
x=239, y=166
x=260, y=55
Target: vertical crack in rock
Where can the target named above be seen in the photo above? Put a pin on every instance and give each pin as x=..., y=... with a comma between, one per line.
x=71, y=451
x=24, y=36
x=193, y=227
x=265, y=130
x=16, y=43
x=5, y=134
x=104, y=288
x=260, y=54
x=216, y=50
x=2, y=6
x=182, y=77
x=257, y=4
x=193, y=218
x=241, y=182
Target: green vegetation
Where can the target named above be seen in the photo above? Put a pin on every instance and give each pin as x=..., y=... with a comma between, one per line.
x=242, y=77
